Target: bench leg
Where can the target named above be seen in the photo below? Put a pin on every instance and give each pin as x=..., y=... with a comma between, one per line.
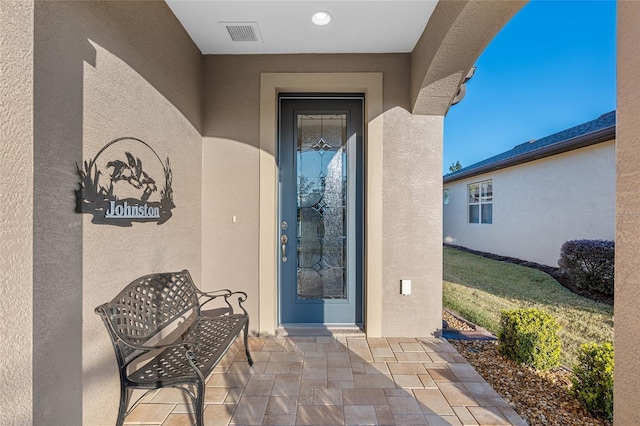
x=125, y=396
x=199, y=404
x=246, y=343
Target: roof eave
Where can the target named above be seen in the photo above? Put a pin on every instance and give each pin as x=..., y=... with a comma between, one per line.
x=593, y=138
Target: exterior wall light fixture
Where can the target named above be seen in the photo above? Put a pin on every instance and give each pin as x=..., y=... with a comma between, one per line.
x=321, y=18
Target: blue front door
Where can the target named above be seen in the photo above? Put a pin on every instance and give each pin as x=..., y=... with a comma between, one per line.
x=321, y=217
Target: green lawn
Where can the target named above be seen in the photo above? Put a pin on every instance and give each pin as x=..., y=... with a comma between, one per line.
x=479, y=288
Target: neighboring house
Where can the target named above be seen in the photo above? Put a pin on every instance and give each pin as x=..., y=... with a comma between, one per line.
x=526, y=202
x=77, y=75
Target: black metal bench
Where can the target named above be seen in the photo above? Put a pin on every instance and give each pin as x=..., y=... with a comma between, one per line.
x=162, y=338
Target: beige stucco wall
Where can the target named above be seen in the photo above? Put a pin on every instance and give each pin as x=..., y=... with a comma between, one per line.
x=104, y=70
x=539, y=205
x=627, y=285
x=16, y=216
x=231, y=179
x=412, y=223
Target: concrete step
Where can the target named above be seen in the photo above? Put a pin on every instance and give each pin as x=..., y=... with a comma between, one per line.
x=320, y=330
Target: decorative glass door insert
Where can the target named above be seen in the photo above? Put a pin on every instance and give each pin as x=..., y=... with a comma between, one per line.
x=321, y=152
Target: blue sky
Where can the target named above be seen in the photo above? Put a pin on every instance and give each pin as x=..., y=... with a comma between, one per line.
x=553, y=66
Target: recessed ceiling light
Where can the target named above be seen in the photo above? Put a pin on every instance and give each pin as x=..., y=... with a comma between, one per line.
x=321, y=18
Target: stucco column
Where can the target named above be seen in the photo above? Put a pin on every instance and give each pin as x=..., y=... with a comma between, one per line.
x=57, y=231
x=627, y=285
x=412, y=223
x=16, y=218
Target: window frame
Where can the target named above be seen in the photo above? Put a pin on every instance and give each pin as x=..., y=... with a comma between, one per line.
x=484, y=198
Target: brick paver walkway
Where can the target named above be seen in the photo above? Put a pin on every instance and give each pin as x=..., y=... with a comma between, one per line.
x=338, y=380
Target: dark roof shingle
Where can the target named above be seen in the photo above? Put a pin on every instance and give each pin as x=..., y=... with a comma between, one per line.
x=605, y=121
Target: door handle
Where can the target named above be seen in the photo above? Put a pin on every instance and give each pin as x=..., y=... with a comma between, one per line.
x=284, y=239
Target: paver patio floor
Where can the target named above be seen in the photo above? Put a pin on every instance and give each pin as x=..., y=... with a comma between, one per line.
x=337, y=380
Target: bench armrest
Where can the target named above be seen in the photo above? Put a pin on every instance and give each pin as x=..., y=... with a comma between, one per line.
x=226, y=293
x=216, y=293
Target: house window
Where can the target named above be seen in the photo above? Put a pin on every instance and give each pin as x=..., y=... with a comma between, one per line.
x=481, y=202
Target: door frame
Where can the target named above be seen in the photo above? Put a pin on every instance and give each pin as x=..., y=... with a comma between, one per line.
x=271, y=85
x=343, y=102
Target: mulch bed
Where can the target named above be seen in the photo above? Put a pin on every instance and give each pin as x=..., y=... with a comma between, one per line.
x=555, y=273
x=541, y=398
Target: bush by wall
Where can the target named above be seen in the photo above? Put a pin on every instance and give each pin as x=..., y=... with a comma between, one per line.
x=593, y=378
x=589, y=263
x=530, y=336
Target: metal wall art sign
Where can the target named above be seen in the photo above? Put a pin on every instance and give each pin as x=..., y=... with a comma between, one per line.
x=116, y=190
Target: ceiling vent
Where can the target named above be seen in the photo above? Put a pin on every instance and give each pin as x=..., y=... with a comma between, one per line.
x=242, y=31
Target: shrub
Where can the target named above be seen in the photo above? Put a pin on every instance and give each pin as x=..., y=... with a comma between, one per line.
x=589, y=263
x=530, y=336
x=593, y=378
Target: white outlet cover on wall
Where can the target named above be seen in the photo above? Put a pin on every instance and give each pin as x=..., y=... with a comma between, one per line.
x=405, y=287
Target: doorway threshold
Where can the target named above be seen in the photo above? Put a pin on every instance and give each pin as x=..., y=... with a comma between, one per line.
x=351, y=330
